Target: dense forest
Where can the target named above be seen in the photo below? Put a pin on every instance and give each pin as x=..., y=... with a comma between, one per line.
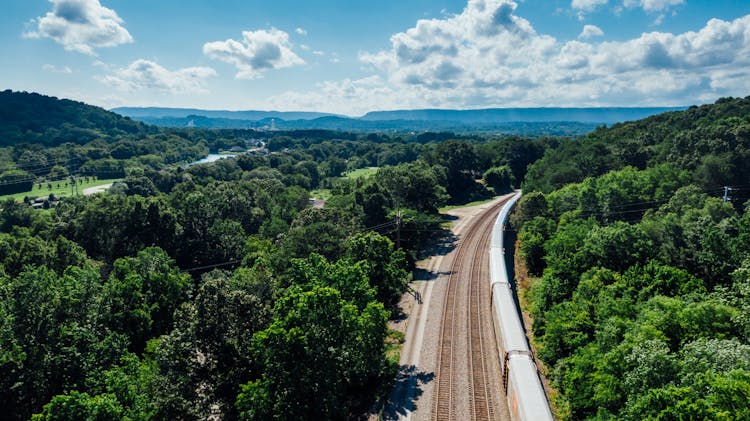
x=637, y=240
x=215, y=290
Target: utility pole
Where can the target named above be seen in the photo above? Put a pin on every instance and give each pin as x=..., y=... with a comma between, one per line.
x=398, y=229
x=727, y=192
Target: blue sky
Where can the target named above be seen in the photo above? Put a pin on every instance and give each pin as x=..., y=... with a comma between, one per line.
x=354, y=56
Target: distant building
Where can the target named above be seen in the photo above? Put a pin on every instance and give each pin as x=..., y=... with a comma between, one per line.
x=43, y=202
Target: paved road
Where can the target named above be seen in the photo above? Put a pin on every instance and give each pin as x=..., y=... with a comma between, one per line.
x=96, y=189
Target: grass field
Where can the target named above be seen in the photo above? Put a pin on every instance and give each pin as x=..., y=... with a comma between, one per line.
x=62, y=191
x=361, y=172
x=324, y=194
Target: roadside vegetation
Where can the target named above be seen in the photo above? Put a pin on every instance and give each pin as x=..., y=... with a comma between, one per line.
x=642, y=292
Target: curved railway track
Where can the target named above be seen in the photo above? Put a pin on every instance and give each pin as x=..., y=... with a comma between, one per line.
x=470, y=266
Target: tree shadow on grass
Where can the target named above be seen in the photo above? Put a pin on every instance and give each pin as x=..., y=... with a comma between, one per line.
x=406, y=392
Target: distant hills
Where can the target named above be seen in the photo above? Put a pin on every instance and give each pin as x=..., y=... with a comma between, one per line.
x=543, y=121
x=160, y=112
x=529, y=115
x=27, y=117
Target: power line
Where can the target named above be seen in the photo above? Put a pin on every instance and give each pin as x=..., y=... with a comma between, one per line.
x=231, y=262
x=49, y=163
x=378, y=227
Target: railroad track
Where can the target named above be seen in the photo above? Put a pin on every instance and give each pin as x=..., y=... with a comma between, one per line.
x=479, y=394
x=470, y=262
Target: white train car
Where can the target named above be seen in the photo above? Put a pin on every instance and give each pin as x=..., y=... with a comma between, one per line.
x=525, y=394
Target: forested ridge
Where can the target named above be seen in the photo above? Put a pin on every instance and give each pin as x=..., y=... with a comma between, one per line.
x=49, y=121
x=639, y=260
x=215, y=290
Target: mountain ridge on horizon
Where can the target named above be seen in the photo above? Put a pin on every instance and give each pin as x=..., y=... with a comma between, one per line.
x=541, y=120
x=159, y=112
x=494, y=114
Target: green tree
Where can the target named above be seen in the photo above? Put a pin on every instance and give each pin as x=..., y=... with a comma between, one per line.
x=530, y=206
x=47, y=328
x=319, y=358
x=386, y=268
x=58, y=172
x=81, y=406
x=207, y=356
x=499, y=178
x=320, y=231
x=414, y=185
x=16, y=181
x=531, y=241
x=375, y=201
x=461, y=163
x=142, y=294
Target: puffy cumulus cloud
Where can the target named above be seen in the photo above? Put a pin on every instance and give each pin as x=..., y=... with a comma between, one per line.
x=587, y=5
x=481, y=44
x=81, y=25
x=486, y=56
x=257, y=52
x=489, y=51
x=720, y=44
x=653, y=5
x=148, y=75
x=590, y=31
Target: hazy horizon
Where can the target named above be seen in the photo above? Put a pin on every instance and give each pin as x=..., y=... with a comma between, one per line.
x=219, y=110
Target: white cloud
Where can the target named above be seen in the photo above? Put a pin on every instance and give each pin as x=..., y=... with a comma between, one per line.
x=301, y=31
x=486, y=56
x=148, y=75
x=54, y=69
x=590, y=31
x=81, y=25
x=653, y=5
x=257, y=52
x=587, y=5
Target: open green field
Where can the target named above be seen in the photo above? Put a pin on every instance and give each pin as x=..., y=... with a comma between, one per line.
x=324, y=194
x=360, y=173
x=61, y=191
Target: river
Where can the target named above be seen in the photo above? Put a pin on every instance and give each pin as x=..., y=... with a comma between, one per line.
x=212, y=157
